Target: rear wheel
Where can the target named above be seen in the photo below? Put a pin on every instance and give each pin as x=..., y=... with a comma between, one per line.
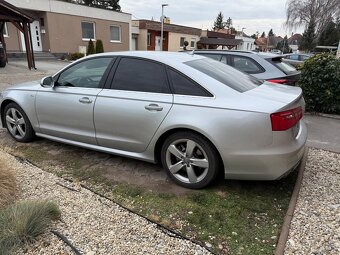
x=18, y=124
x=190, y=160
x=2, y=63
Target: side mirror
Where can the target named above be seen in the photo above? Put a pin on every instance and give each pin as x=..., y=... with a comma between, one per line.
x=47, y=82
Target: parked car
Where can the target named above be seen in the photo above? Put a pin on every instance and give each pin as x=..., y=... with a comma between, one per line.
x=264, y=66
x=195, y=115
x=295, y=59
x=276, y=51
x=3, y=58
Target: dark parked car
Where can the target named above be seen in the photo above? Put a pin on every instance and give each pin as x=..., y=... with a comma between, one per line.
x=264, y=66
x=2, y=56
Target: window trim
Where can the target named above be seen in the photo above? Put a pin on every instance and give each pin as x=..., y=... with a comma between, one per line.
x=112, y=75
x=120, y=34
x=6, y=34
x=148, y=39
x=94, y=30
x=168, y=68
x=181, y=46
x=232, y=64
x=194, y=41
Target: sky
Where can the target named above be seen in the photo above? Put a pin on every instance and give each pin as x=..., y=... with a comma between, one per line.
x=253, y=15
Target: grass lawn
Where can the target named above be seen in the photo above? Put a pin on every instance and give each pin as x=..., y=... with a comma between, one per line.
x=234, y=217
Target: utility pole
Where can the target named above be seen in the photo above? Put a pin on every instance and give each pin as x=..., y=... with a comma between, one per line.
x=162, y=25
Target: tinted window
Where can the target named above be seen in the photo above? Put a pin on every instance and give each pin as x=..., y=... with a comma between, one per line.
x=245, y=64
x=212, y=56
x=185, y=86
x=86, y=74
x=284, y=67
x=140, y=75
x=224, y=60
x=225, y=74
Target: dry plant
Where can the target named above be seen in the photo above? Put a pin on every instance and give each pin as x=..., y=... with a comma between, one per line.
x=8, y=184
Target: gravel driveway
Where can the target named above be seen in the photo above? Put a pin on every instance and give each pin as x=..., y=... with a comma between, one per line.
x=315, y=228
x=93, y=224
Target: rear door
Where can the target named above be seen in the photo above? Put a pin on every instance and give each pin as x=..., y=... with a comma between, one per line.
x=129, y=111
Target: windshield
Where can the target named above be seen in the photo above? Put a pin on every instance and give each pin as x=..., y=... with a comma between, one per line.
x=227, y=75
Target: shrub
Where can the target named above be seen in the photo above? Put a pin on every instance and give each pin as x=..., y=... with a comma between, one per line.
x=8, y=187
x=90, y=48
x=24, y=222
x=320, y=82
x=76, y=55
x=99, y=46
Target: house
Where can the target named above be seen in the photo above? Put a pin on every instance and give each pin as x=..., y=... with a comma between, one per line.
x=60, y=27
x=247, y=44
x=267, y=43
x=214, y=40
x=147, y=36
x=294, y=41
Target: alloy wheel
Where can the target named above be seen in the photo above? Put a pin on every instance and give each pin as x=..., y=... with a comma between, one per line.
x=15, y=123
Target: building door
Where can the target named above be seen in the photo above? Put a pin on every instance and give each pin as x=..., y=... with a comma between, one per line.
x=36, y=37
x=157, y=43
x=134, y=44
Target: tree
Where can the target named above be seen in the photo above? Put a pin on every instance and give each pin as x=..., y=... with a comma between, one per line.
x=229, y=23
x=283, y=45
x=263, y=35
x=90, y=48
x=254, y=36
x=331, y=35
x=99, y=46
x=219, y=24
x=271, y=33
x=308, y=38
x=303, y=13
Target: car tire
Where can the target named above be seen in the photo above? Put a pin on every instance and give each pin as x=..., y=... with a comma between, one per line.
x=190, y=160
x=18, y=124
x=2, y=63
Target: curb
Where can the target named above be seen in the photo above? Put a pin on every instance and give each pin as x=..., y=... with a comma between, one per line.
x=281, y=244
x=330, y=116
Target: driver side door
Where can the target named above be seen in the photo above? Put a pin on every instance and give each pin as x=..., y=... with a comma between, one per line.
x=66, y=110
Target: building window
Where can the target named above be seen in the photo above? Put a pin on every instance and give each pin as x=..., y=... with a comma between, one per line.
x=192, y=43
x=6, y=30
x=88, y=30
x=115, y=34
x=149, y=39
x=181, y=42
x=42, y=22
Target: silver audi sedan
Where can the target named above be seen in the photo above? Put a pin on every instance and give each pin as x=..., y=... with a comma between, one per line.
x=195, y=115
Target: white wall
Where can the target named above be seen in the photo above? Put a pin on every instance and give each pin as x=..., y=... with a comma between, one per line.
x=247, y=44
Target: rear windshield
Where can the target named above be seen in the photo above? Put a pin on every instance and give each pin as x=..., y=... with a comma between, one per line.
x=227, y=75
x=284, y=67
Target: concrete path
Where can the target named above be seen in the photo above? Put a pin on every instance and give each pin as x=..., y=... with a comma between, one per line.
x=323, y=133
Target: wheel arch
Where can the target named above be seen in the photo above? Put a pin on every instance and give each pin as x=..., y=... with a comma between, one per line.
x=2, y=110
x=161, y=139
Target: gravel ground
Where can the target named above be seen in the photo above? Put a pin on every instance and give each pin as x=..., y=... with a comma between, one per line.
x=94, y=225
x=315, y=228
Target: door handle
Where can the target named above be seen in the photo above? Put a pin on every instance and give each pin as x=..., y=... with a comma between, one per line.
x=154, y=107
x=85, y=100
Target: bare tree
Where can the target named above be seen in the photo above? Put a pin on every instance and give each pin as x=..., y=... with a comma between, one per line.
x=303, y=12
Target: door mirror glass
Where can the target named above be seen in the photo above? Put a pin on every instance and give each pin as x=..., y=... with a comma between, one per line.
x=47, y=82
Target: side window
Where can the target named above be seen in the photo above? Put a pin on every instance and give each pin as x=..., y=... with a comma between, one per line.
x=294, y=57
x=86, y=74
x=184, y=86
x=224, y=59
x=212, y=56
x=140, y=75
x=245, y=64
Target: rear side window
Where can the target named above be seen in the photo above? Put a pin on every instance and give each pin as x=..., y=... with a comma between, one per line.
x=212, y=56
x=185, y=86
x=294, y=57
x=246, y=64
x=284, y=67
x=225, y=74
x=140, y=75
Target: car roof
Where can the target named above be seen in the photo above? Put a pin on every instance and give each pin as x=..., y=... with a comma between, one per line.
x=242, y=52
x=161, y=56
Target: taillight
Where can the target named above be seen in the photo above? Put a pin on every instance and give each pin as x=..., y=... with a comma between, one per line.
x=280, y=81
x=285, y=120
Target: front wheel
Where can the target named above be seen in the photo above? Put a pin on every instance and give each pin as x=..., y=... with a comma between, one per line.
x=18, y=124
x=190, y=160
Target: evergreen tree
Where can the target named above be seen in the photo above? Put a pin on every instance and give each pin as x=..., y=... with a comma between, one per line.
x=99, y=46
x=271, y=33
x=308, y=38
x=330, y=36
x=283, y=45
x=229, y=23
x=90, y=48
x=219, y=24
x=263, y=35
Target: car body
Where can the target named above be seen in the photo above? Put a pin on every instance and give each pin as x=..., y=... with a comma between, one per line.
x=295, y=59
x=3, y=59
x=264, y=66
x=158, y=106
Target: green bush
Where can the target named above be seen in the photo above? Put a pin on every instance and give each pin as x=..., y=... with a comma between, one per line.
x=75, y=56
x=90, y=48
x=99, y=46
x=320, y=82
x=23, y=222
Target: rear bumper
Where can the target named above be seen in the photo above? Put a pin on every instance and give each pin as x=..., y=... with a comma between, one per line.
x=267, y=164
